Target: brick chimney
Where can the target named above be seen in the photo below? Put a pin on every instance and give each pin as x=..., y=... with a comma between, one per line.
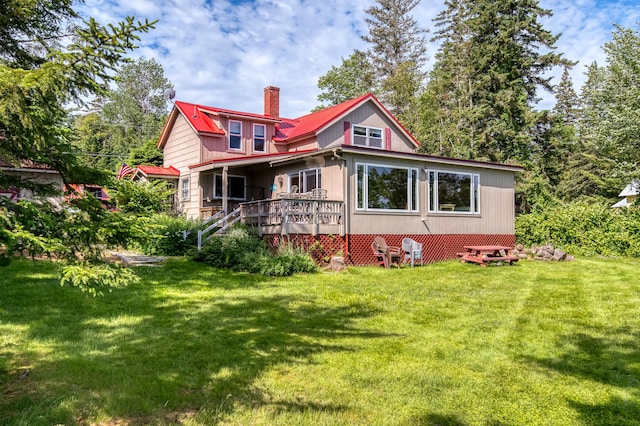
x=272, y=101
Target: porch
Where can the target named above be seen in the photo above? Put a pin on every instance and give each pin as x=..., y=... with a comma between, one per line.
x=286, y=216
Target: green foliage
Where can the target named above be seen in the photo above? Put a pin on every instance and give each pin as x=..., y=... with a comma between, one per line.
x=93, y=278
x=165, y=235
x=242, y=250
x=142, y=198
x=353, y=78
x=586, y=227
x=492, y=60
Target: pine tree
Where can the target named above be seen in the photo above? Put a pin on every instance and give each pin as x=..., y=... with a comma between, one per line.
x=489, y=68
x=397, y=54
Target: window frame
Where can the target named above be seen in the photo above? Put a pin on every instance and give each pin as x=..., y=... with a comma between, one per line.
x=215, y=186
x=264, y=137
x=433, y=193
x=301, y=177
x=234, y=134
x=185, y=188
x=368, y=137
x=362, y=188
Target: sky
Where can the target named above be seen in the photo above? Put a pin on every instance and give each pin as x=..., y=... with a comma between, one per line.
x=223, y=53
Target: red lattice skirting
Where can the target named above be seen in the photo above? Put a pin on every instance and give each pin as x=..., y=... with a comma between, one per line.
x=357, y=248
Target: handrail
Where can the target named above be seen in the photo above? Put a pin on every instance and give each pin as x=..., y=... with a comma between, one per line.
x=223, y=224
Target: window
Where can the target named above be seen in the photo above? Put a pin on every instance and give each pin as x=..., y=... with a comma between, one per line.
x=185, y=187
x=236, y=186
x=306, y=180
x=367, y=136
x=382, y=187
x=235, y=135
x=454, y=192
x=259, y=131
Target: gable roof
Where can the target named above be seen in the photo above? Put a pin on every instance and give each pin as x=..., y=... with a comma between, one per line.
x=200, y=120
x=631, y=189
x=156, y=171
x=311, y=124
x=287, y=130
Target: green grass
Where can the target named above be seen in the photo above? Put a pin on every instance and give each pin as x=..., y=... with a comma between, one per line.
x=443, y=344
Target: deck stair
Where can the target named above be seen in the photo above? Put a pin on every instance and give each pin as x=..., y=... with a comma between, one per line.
x=219, y=227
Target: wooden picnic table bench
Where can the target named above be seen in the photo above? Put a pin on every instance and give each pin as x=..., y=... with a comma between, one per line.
x=487, y=254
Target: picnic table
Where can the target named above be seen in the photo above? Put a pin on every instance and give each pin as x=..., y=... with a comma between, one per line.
x=487, y=254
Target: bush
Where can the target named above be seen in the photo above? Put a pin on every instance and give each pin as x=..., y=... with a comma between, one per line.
x=242, y=250
x=583, y=227
x=166, y=236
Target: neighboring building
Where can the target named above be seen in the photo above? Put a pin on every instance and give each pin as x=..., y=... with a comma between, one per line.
x=99, y=193
x=35, y=173
x=629, y=194
x=339, y=176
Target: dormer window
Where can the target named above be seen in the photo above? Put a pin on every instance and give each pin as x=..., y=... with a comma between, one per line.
x=235, y=135
x=367, y=136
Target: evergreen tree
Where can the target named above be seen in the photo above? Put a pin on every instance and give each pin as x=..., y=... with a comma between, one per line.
x=484, y=84
x=397, y=54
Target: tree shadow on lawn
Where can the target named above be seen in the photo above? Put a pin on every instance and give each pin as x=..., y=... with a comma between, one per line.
x=609, y=356
x=145, y=357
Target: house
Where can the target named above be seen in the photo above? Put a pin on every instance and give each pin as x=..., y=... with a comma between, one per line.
x=100, y=193
x=630, y=195
x=30, y=172
x=335, y=179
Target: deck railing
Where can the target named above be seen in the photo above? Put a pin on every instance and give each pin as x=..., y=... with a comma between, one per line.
x=294, y=215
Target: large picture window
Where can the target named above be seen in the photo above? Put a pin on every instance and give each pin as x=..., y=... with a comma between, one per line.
x=306, y=180
x=454, y=192
x=259, y=132
x=381, y=187
x=367, y=136
x=236, y=187
x=235, y=135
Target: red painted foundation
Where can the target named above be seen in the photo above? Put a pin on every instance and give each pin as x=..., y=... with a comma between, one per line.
x=357, y=248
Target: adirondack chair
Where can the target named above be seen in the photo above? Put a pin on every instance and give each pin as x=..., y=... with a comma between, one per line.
x=385, y=254
x=412, y=251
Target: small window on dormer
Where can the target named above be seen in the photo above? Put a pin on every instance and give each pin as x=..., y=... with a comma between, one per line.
x=367, y=136
x=259, y=132
x=235, y=135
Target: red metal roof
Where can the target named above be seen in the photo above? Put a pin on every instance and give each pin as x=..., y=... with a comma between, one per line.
x=199, y=120
x=159, y=171
x=311, y=123
x=287, y=130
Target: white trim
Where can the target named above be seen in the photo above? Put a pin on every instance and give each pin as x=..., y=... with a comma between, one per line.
x=264, y=138
x=475, y=200
x=367, y=137
x=185, y=188
x=234, y=134
x=413, y=206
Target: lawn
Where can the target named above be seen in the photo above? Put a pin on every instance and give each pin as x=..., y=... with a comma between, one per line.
x=442, y=344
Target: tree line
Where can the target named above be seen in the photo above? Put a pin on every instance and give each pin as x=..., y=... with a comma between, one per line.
x=479, y=100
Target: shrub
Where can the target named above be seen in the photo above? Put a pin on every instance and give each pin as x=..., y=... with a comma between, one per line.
x=166, y=236
x=243, y=250
x=583, y=227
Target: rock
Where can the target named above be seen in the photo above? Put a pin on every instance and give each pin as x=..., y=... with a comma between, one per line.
x=559, y=254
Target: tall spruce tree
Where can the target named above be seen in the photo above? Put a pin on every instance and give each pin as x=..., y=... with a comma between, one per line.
x=398, y=53
x=484, y=84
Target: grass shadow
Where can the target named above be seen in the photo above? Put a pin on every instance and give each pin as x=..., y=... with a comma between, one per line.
x=153, y=350
x=609, y=356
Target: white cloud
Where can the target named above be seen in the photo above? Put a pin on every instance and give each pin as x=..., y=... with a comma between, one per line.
x=223, y=52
